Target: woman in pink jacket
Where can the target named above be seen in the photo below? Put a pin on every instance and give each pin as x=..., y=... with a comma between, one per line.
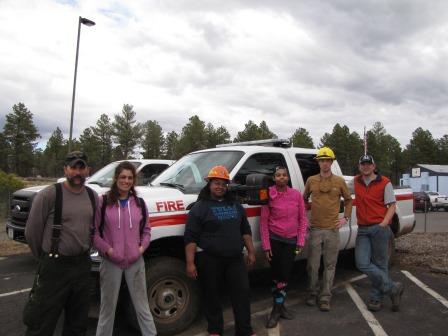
x=122, y=235
x=283, y=227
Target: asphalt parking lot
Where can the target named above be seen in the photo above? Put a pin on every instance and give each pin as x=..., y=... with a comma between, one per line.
x=424, y=309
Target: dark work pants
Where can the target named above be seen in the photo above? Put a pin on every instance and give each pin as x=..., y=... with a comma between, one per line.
x=282, y=262
x=215, y=271
x=60, y=283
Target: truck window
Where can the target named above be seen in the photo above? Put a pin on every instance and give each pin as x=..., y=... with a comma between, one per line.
x=148, y=172
x=261, y=163
x=308, y=165
x=188, y=172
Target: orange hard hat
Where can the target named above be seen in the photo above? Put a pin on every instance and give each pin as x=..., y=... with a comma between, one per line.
x=218, y=172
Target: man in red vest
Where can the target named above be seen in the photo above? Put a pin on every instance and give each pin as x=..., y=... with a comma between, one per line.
x=375, y=207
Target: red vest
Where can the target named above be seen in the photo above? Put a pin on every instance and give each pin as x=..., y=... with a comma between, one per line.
x=370, y=207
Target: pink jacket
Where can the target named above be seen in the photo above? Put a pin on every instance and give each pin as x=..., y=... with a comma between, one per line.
x=284, y=215
x=121, y=231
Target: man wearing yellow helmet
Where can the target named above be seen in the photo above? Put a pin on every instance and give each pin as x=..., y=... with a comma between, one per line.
x=325, y=190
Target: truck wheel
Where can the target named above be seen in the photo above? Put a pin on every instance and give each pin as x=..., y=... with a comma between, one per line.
x=173, y=297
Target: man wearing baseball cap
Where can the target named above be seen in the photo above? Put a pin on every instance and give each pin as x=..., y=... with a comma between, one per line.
x=58, y=232
x=375, y=207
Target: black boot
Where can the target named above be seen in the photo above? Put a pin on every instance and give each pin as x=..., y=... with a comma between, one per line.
x=274, y=316
x=285, y=314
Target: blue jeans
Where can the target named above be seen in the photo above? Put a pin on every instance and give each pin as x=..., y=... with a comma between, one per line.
x=372, y=258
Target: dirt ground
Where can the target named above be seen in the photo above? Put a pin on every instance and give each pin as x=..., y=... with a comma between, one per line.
x=427, y=251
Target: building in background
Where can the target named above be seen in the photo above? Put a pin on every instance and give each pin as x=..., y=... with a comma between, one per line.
x=425, y=177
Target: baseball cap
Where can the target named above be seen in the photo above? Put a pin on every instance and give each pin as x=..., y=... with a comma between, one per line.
x=75, y=157
x=366, y=158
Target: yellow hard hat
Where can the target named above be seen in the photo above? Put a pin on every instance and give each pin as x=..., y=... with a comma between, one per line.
x=325, y=153
x=218, y=172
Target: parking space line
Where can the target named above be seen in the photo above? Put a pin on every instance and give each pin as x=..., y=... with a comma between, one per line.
x=426, y=288
x=15, y=292
x=368, y=316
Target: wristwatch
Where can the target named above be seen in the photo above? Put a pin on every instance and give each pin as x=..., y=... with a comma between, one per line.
x=347, y=218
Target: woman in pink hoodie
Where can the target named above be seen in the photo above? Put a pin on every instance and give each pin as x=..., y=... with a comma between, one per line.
x=122, y=235
x=283, y=228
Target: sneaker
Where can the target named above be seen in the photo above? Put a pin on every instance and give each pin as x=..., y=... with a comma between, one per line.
x=324, y=306
x=395, y=296
x=311, y=300
x=374, y=305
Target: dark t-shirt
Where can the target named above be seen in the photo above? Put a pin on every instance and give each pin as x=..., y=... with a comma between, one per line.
x=217, y=227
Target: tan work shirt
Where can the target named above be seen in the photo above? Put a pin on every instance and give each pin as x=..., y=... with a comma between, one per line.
x=325, y=196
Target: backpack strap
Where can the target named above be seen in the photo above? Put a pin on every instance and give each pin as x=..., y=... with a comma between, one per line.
x=144, y=219
x=57, y=223
x=103, y=214
x=93, y=203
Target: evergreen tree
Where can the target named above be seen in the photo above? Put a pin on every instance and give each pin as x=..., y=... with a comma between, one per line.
x=170, y=146
x=253, y=132
x=4, y=151
x=153, y=140
x=216, y=136
x=126, y=132
x=90, y=144
x=20, y=134
x=54, y=155
x=301, y=138
x=422, y=148
x=192, y=138
x=386, y=150
x=346, y=146
x=442, y=145
x=103, y=133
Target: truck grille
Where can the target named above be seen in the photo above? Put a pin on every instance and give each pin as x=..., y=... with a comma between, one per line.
x=20, y=208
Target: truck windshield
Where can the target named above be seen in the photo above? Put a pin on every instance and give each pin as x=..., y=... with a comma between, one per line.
x=105, y=176
x=188, y=173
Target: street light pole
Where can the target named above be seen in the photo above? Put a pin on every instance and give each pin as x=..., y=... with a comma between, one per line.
x=88, y=23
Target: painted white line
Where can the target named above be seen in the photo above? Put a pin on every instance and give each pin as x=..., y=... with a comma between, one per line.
x=426, y=288
x=15, y=292
x=274, y=331
x=368, y=316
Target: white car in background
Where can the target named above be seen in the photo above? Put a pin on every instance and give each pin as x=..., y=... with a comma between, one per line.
x=438, y=201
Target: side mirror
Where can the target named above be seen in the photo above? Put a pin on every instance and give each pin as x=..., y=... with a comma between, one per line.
x=256, y=190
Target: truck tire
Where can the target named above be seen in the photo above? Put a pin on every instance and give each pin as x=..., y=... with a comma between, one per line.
x=173, y=297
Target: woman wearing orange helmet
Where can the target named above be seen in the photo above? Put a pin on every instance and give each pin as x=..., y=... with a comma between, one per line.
x=218, y=225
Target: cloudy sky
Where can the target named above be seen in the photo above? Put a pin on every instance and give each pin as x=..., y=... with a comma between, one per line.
x=291, y=63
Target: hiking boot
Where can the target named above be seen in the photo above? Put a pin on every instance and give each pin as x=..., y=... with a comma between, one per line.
x=274, y=316
x=395, y=296
x=311, y=300
x=374, y=305
x=324, y=306
x=285, y=314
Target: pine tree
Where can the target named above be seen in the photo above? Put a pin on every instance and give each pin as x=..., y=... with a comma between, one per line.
x=301, y=138
x=20, y=134
x=153, y=140
x=346, y=146
x=126, y=132
x=103, y=132
x=54, y=155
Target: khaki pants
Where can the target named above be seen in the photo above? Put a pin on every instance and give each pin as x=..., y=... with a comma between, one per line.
x=323, y=243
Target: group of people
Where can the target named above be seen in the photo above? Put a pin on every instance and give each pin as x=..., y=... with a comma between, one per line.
x=67, y=218
x=217, y=230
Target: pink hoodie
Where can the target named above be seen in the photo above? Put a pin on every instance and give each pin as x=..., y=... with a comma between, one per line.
x=284, y=215
x=121, y=231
